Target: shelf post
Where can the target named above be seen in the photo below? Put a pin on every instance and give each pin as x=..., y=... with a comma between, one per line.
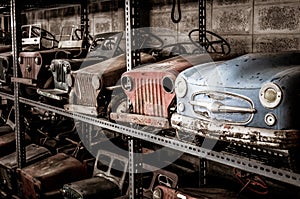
x=202, y=38
x=133, y=58
x=202, y=20
x=84, y=21
x=16, y=48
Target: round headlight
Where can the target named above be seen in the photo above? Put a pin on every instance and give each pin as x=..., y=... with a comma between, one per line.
x=52, y=68
x=270, y=95
x=168, y=84
x=67, y=68
x=70, y=80
x=157, y=194
x=37, y=60
x=127, y=83
x=20, y=60
x=180, y=87
x=96, y=82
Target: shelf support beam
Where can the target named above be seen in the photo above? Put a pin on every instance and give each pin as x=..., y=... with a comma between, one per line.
x=16, y=48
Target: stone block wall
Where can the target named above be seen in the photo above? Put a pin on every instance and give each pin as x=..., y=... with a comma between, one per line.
x=258, y=25
x=248, y=25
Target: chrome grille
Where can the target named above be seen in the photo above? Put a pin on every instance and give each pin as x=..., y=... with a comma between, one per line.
x=149, y=99
x=86, y=94
x=222, y=106
x=60, y=72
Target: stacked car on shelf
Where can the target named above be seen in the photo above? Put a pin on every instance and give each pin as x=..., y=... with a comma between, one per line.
x=33, y=39
x=104, y=46
x=34, y=66
x=150, y=89
x=250, y=100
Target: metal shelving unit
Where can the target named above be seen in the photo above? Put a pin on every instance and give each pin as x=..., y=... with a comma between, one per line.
x=131, y=6
x=243, y=163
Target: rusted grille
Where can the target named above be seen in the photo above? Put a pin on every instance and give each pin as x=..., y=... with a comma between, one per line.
x=86, y=94
x=32, y=73
x=149, y=99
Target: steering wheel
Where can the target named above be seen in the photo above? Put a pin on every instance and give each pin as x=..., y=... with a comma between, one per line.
x=147, y=39
x=36, y=31
x=216, y=45
x=89, y=39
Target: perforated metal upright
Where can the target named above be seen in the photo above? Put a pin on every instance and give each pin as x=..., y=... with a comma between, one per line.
x=202, y=36
x=133, y=58
x=202, y=20
x=16, y=8
x=84, y=19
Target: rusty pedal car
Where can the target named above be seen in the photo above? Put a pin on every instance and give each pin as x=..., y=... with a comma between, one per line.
x=244, y=102
x=104, y=46
x=34, y=65
x=108, y=180
x=8, y=166
x=251, y=100
x=150, y=90
x=33, y=38
x=45, y=178
x=152, y=177
x=92, y=86
x=8, y=136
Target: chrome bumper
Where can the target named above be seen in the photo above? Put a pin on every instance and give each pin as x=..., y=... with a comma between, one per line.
x=282, y=139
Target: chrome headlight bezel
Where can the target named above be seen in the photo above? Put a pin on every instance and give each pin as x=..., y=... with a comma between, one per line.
x=168, y=83
x=157, y=194
x=38, y=60
x=273, y=92
x=127, y=83
x=52, y=67
x=20, y=60
x=181, y=87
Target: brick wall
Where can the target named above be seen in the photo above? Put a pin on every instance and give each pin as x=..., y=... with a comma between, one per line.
x=248, y=25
